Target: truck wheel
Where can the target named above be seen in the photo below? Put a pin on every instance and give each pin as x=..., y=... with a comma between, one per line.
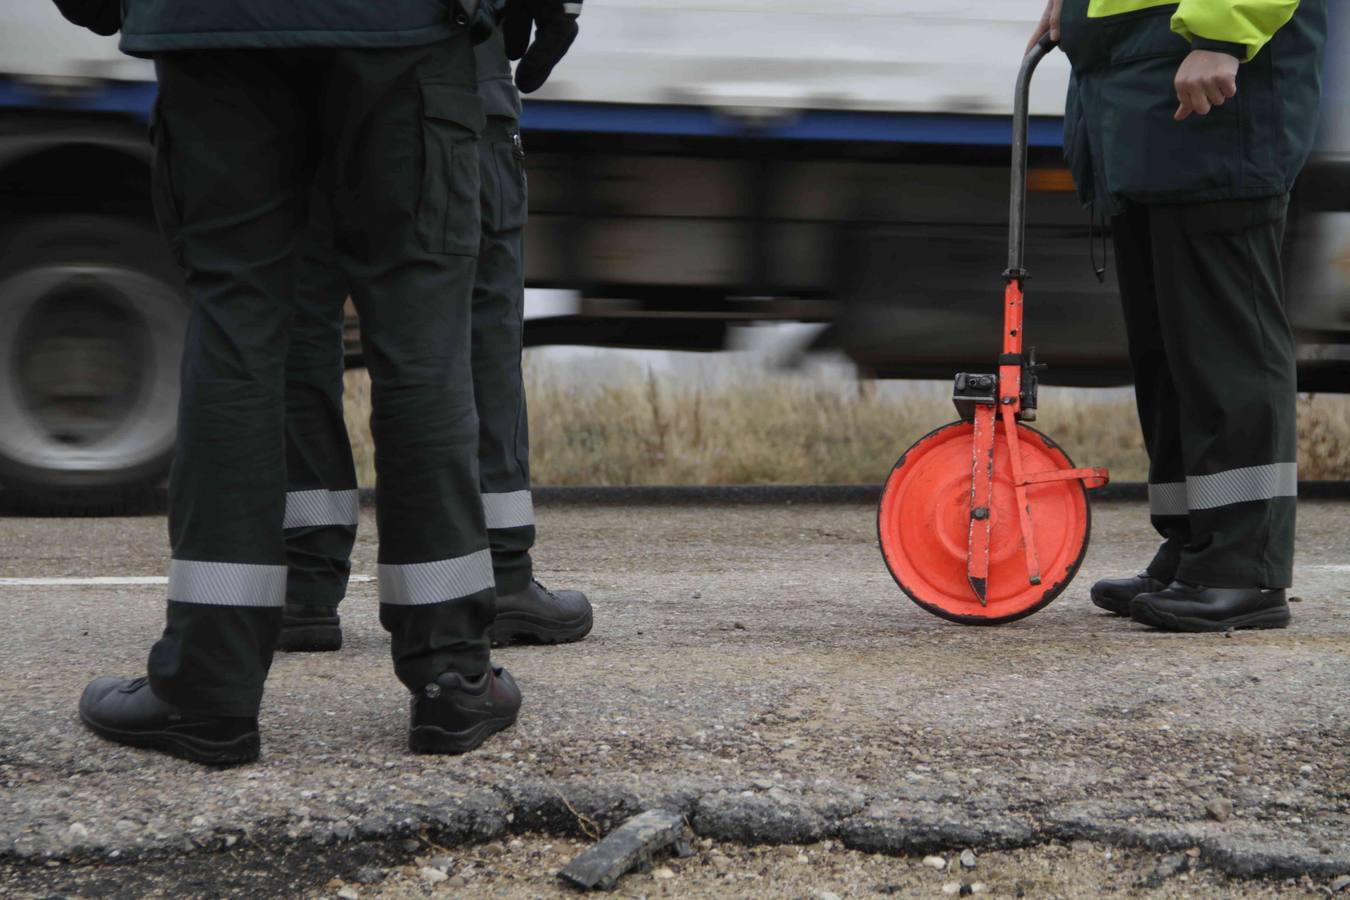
x=92, y=317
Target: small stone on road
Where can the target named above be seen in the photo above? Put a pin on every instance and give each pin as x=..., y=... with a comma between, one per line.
x=369, y=875
x=433, y=876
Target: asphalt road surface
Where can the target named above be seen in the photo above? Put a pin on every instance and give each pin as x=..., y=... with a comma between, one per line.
x=752, y=666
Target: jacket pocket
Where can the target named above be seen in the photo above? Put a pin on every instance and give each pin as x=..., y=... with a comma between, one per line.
x=505, y=192
x=163, y=200
x=449, y=209
x=1150, y=156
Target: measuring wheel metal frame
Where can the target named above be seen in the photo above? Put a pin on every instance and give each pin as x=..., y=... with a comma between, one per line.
x=986, y=520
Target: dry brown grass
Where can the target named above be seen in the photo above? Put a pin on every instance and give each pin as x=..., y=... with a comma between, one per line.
x=755, y=427
x=1324, y=438
x=356, y=410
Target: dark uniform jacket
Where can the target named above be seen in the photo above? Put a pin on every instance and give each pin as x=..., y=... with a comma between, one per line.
x=153, y=25
x=1120, y=138
x=156, y=26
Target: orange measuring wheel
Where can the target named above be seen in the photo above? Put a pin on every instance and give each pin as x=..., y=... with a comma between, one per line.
x=986, y=520
x=924, y=524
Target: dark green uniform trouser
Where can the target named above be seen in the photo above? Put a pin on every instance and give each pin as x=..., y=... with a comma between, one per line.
x=1214, y=367
x=390, y=137
x=321, y=507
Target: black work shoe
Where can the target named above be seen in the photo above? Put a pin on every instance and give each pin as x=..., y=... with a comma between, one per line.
x=1114, y=594
x=1192, y=607
x=126, y=711
x=455, y=714
x=537, y=615
x=309, y=630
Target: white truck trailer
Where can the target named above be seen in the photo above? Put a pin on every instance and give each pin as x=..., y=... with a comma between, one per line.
x=693, y=164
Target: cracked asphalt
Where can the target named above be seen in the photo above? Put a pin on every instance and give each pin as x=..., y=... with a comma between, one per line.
x=753, y=666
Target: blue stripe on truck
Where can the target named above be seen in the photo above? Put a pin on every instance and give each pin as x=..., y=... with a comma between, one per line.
x=812, y=125
x=127, y=97
x=135, y=99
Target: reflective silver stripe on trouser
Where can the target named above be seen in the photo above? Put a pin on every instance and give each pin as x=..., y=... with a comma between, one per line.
x=421, y=584
x=314, y=509
x=573, y=9
x=513, y=510
x=1167, y=499
x=226, y=584
x=1242, y=485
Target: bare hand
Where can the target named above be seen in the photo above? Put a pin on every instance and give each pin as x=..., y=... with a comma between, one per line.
x=1049, y=24
x=1204, y=80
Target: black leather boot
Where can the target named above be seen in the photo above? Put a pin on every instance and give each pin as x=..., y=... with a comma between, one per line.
x=1114, y=594
x=455, y=714
x=537, y=615
x=1193, y=607
x=310, y=629
x=126, y=711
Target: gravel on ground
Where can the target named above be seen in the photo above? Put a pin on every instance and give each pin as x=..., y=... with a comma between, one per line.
x=753, y=667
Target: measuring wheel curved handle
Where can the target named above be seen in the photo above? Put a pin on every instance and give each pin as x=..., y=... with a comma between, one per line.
x=1017, y=203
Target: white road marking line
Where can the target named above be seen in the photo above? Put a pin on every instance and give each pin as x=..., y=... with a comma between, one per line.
x=106, y=580
x=72, y=582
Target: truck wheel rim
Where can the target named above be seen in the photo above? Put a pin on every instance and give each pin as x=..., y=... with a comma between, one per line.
x=84, y=403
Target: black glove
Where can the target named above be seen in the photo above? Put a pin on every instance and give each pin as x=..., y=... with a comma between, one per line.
x=99, y=16
x=486, y=16
x=554, y=23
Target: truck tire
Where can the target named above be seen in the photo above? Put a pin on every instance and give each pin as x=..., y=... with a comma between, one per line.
x=92, y=317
